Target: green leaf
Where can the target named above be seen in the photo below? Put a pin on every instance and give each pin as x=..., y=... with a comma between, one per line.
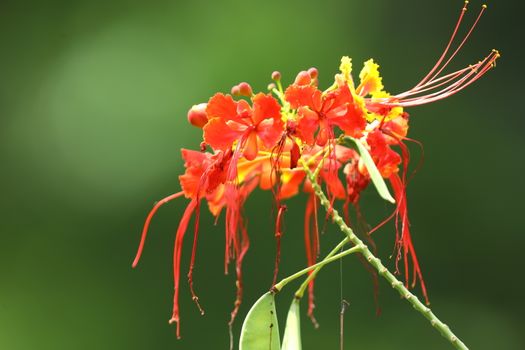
x=292, y=332
x=375, y=175
x=260, y=330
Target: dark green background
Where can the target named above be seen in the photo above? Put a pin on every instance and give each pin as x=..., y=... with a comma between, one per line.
x=93, y=101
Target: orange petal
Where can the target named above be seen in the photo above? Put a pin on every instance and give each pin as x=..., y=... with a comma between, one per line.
x=222, y=106
x=250, y=148
x=218, y=135
x=265, y=107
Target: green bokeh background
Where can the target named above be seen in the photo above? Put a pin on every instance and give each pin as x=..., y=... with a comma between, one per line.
x=93, y=101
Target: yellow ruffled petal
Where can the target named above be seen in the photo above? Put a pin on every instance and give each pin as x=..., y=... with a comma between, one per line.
x=345, y=77
x=346, y=67
x=371, y=82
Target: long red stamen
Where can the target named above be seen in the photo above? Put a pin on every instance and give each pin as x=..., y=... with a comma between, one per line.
x=475, y=72
x=316, y=246
x=311, y=241
x=444, y=80
x=275, y=173
x=483, y=8
x=147, y=223
x=177, y=251
x=278, y=235
x=438, y=63
x=307, y=235
x=194, y=296
x=453, y=82
x=233, y=206
x=406, y=240
x=241, y=248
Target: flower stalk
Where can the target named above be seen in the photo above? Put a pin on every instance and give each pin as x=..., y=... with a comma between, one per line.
x=279, y=286
x=300, y=292
x=441, y=327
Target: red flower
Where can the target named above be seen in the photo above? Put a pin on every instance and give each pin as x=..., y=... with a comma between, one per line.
x=232, y=121
x=252, y=147
x=386, y=160
x=322, y=111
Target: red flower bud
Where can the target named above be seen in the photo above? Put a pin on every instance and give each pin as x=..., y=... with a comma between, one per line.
x=236, y=91
x=197, y=115
x=313, y=73
x=276, y=75
x=245, y=89
x=303, y=78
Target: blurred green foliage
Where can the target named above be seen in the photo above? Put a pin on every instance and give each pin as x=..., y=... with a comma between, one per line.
x=93, y=101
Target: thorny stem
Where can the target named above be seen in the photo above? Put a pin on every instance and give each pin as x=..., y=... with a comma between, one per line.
x=277, y=288
x=381, y=269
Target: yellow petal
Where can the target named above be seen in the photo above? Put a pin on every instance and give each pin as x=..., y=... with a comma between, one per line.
x=346, y=67
x=371, y=82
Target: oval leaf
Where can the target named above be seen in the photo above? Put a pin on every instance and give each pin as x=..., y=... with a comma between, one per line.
x=375, y=175
x=260, y=330
x=292, y=332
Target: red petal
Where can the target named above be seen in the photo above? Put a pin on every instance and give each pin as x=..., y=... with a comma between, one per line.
x=353, y=121
x=264, y=107
x=387, y=161
x=218, y=135
x=222, y=106
x=307, y=125
x=195, y=163
x=295, y=154
x=270, y=132
x=250, y=148
x=268, y=176
x=325, y=133
x=299, y=96
x=244, y=110
x=290, y=186
x=397, y=127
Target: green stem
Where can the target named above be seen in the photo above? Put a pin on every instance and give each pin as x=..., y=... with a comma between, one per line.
x=319, y=265
x=381, y=269
x=300, y=292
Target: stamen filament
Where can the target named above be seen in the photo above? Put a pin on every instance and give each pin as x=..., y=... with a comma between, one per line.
x=438, y=63
x=147, y=223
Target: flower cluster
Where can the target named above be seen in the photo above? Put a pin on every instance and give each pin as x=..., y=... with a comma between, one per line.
x=268, y=140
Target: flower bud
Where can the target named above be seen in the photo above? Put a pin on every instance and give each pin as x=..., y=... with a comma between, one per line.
x=271, y=86
x=236, y=91
x=303, y=78
x=313, y=72
x=245, y=89
x=197, y=115
x=276, y=75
